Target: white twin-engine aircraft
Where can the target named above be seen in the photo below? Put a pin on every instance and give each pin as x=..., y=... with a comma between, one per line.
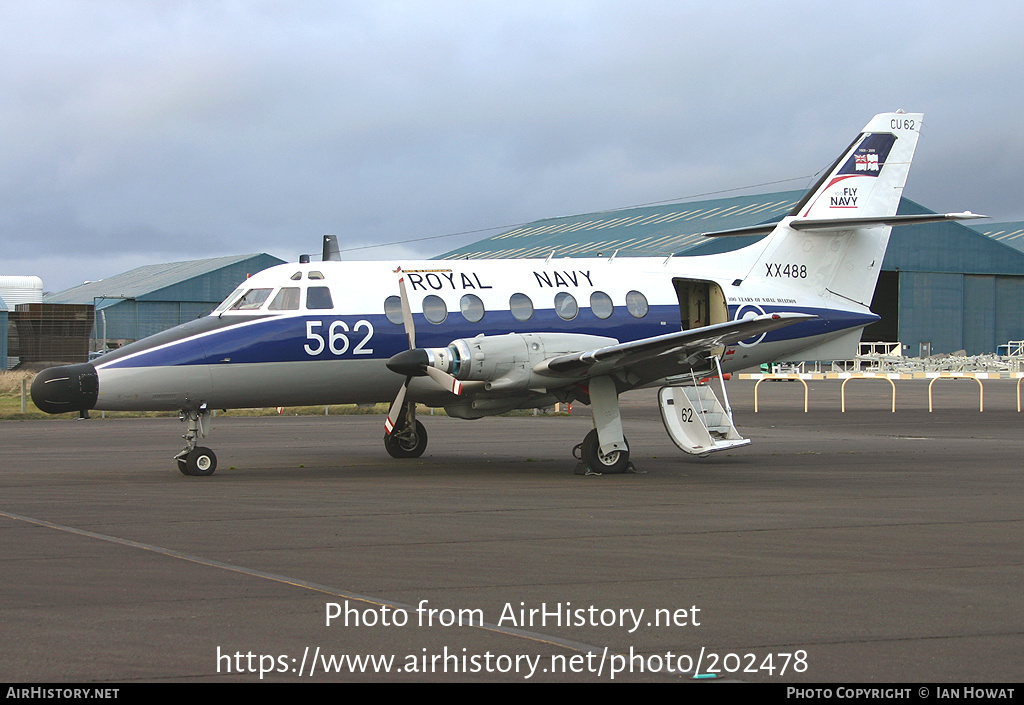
x=483, y=337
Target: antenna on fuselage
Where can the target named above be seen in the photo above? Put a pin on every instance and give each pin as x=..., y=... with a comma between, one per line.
x=331, y=251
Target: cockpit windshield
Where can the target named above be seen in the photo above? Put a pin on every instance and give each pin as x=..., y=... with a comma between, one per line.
x=251, y=300
x=288, y=298
x=229, y=300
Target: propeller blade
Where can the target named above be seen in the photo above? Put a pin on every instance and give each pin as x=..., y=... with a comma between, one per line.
x=445, y=380
x=396, y=408
x=410, y=328
x=414, y=361
x=410, y=331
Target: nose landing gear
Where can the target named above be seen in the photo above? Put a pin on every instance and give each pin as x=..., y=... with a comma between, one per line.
x=409, y=437
x=195, y=459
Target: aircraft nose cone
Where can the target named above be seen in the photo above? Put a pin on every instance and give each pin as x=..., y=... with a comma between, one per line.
x=57, y=390
x=411, y=363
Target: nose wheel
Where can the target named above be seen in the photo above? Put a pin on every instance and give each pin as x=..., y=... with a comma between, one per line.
x=200, y=462
x=195, y=459
x=410, y=442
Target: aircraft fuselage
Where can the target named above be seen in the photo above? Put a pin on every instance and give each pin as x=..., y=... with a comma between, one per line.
x=253, y=355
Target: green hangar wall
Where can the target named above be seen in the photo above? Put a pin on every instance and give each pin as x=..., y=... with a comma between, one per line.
x=156, y=297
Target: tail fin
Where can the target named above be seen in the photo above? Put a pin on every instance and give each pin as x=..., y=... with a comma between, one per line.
x=835, y=238
x=867, y=180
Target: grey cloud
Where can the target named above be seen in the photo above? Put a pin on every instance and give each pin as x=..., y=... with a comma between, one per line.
x=195, y=129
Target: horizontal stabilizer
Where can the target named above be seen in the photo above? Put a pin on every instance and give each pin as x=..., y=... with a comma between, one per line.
x=846, y=223
x=741, y=232
x=849, y=223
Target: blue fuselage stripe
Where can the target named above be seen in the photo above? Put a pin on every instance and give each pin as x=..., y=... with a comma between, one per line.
x=329, y=336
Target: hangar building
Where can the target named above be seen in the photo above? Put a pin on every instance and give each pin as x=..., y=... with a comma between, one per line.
x=156, y=297
x=943, y=286
x=15, y=291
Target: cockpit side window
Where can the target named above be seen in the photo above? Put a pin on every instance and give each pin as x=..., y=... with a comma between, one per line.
x=318, y=297
x=286, y=300
x=252, y=300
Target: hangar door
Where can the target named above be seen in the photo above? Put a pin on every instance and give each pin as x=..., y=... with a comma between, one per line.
x=886, y=303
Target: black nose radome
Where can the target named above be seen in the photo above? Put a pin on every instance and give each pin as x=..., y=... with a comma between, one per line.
x=57, y=390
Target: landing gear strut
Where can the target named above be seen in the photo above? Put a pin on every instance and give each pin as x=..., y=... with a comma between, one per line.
x=409, y=438
x=604, y=450
x=195, y=459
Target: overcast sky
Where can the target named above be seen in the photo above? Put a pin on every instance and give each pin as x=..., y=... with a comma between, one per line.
x=138, y=132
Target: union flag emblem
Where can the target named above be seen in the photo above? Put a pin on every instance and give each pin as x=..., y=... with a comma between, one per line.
x=867, y=162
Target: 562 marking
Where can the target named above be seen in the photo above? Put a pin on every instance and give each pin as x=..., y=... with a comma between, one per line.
x=337, y=341
x=790, y=271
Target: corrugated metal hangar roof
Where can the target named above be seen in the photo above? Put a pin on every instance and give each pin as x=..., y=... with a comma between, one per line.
x=648, y=231
x=154, y=280
x=676, y=229
x=1011, y=234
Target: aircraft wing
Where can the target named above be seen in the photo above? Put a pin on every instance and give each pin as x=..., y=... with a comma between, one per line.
x=663, y=355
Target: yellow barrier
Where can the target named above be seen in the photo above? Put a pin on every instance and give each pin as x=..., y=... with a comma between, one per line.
x=800, y=378
x=888, y=376
x=962, y=375
x=842, y=390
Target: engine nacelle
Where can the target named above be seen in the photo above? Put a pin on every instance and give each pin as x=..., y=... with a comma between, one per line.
x=506, y=362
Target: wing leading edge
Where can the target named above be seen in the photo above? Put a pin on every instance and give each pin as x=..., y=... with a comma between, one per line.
x=626, y=357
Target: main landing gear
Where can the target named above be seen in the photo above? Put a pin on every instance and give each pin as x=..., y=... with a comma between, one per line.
x=409, y=438
x=195, y=459
x=604, y=450
x=594, y=462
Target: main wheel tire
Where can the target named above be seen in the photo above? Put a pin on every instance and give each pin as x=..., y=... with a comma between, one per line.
x=407, y=444
x=200, y=462
x=613, y=463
